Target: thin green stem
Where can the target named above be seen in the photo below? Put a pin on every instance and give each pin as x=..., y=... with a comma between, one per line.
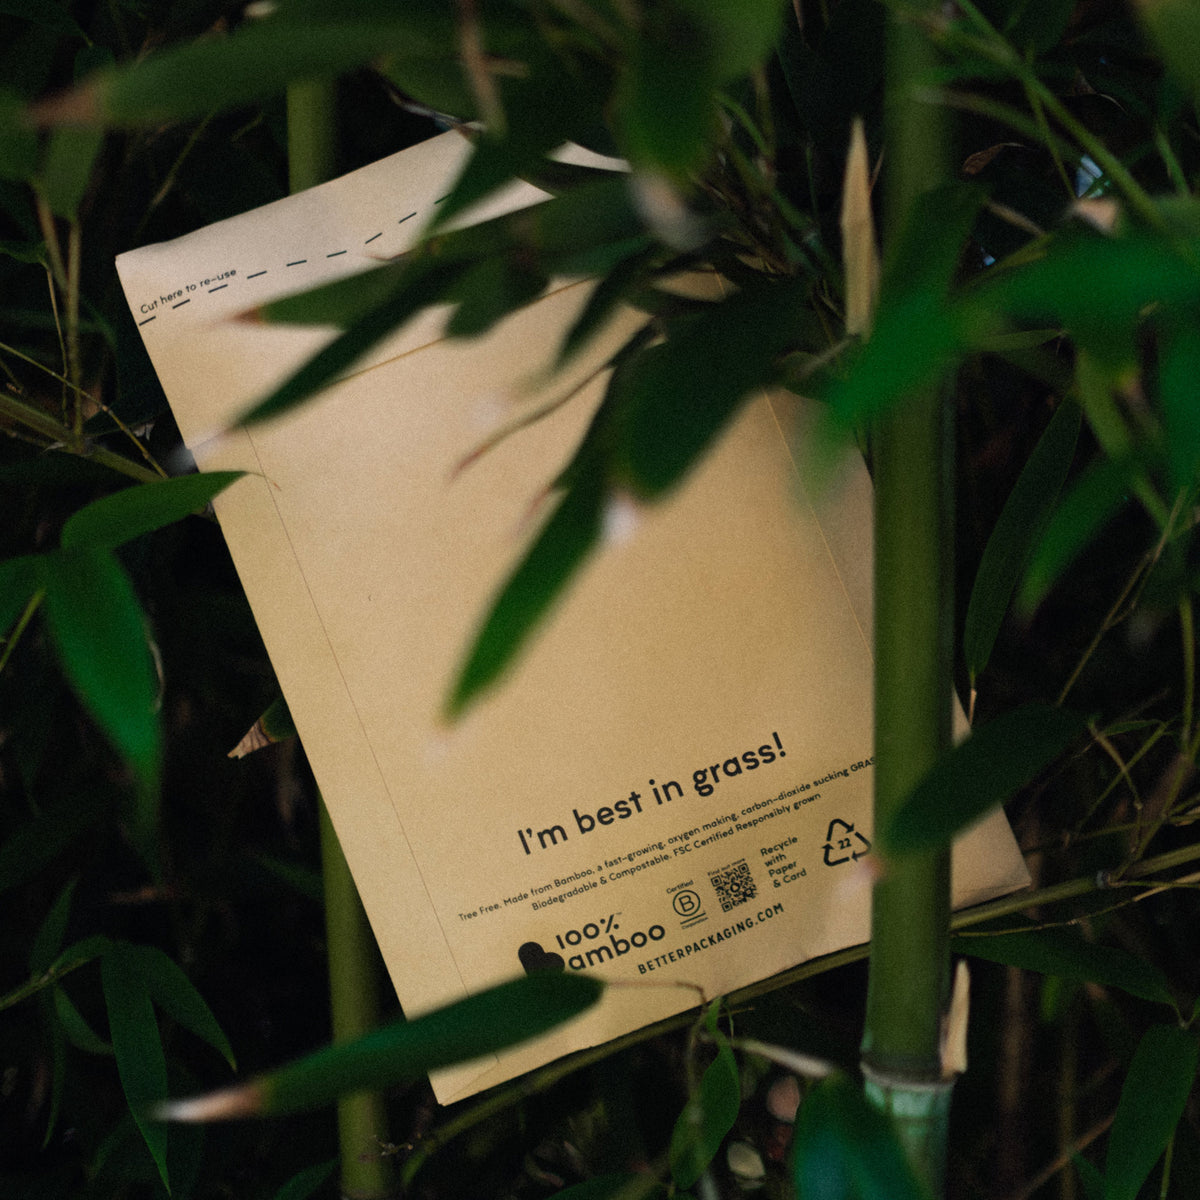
x=62, y=345
x=1170, y=161
x=1187, y=630
x=74, y=269
x=354, y=1005
x=33, y=362
x=1140, y=573
x=1003, y=114
x=1164, y=1187
x=1105, y=625
x=50, y=237
x=58, y=434
x=366, y=1174
x=1051, y=143
x=10, y=643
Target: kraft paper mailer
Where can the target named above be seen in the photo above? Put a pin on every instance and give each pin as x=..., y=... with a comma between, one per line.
x=673, y=783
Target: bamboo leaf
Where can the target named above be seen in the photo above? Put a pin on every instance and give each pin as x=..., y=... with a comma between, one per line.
x=615, y=1187
x=275, y=725
x=486, y=1023
x=1096, y=497
x=66, y=169
x=54, y=468
x=58, y=1066
x=73, y=956
x=618, y=282
x=113, y=520
x=1091, y=1178
x=845, y=1149
x=255, y=62
x=48, y=942
x=531, y=590
x=1037, y=25
x=1021, y=523
x=308, y=1182
x=978, y=774
x=79, y=953
x=419, y=287
x=488, y=269
x=706, y=1118
x=141, y=1063
x=341, y=302
x=97, y=629
x=678, y=396
x=1175, y=28
x=487, y=292
x=741, y=35
x=532, y=122
x=1152, y=1102
x=437, y=82
x=1065, y=954
x=79, y=1033
x=916, y=336
x=914, y=342
x=173, y=992
x=1125, y=276
x=926, y=255
x=666, y=109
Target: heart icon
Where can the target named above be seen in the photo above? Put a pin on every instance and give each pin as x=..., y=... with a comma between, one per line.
x=534, y=958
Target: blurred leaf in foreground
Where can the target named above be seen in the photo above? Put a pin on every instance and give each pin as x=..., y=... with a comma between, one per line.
x=488, y=1022
x=846, y=1149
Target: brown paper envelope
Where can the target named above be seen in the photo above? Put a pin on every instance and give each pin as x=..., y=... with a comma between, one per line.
x=672, y=787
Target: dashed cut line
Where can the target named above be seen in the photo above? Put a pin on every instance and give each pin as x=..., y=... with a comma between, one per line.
x=299, y=262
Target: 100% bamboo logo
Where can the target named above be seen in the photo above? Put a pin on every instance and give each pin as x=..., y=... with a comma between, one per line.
x=597, y=942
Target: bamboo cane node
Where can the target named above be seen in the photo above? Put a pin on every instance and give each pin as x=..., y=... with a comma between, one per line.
x=904, y=1097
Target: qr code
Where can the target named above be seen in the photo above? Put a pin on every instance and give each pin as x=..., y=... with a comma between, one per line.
x=734, y=884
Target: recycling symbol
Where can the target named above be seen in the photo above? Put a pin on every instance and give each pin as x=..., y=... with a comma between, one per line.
x=838, y=840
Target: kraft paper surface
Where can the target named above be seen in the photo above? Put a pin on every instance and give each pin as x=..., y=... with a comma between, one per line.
x=673, y=785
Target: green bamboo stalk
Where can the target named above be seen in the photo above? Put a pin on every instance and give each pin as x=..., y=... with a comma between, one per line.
x=354, y=1004
x=353, y=972
x=911, y=447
